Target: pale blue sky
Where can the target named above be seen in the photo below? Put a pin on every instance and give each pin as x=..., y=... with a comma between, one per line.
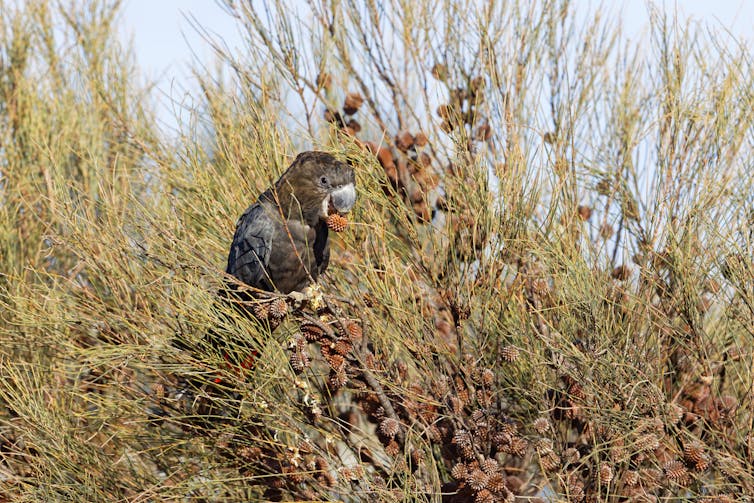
x=165, y=41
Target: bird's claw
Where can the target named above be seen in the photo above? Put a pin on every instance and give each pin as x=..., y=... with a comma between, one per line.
x=298, y=298
x=311, y=294
x=315, y=296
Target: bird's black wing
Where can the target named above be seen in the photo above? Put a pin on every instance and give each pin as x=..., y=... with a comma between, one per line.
x=250, y=251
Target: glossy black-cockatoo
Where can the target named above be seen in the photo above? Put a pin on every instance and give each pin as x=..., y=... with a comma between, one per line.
x=281, y=241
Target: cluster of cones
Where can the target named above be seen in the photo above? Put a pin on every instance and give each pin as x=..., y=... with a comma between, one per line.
x=407, y=162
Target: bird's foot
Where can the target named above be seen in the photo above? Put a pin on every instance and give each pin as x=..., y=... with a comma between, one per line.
x=311, y=294
x=298, y=298
x=316, y=298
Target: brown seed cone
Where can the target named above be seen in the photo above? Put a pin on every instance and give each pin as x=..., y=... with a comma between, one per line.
x=418, y=458
x=402, y=169
x=422, y=211
x=648, y=442
x=675, y=413
x=484, y=496
x=604, y=187
x=467, y=451
x=277, y=483
x=606, y=231
x=447, y=126
x=476, y=84
x=415, y=194
x=497, y=482
x=331, y=357
x=571, y=455
x=489, y=466
x=458, y=95
x=585, y=212
x=483, y=133
x=278, y=308
x=390, y=427
x=298, y=343
x=354, y=125
x=312, y=332
x=337, y=223
x=444, y=111
x=324, y=80
x=543, y=445
x=337, y=378
x=391, y=172
x=510, y=353
x=261, y=310
x=404, y=141
x=352, y=103
x=650, y=478
x=250, y=453
x=422, y=162
x=576, y=491
x=727, y=404
x=459, y=471
x=461, y=438
x=677, y=472
x=477, y=415
x=488, y=377
x=332, y=117
x=420, y=139
x=605, y=473
x=631, y=478
x=343, y=347
x=730, y=466
x=456, y=405
x=385, y=157
x=393, y=448
x=576, y=392
x=477, y=480
x=463, y=395
x=299, y=361
x=509, y=428
x=354, y=331
x=434, y=434
x=621, y=273
x=328, y=479
x=341, y=325
x=293, y=474
x=550, y=461
x=694, y=454
x=422, y=172
x=541, y=425
x=702, y=464
x=501, y=440
x=518, y=446
x=348, y=131
x=440, y=72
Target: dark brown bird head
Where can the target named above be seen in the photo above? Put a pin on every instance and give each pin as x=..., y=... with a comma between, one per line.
x=314, y=183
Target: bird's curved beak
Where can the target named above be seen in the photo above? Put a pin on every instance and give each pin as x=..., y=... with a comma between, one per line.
x=343, y=198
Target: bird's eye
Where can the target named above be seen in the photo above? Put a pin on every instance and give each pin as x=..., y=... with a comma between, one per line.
x=323, y=181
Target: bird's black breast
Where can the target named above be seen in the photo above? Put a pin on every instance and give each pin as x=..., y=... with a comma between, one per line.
x=301, y=253
x=321, y=248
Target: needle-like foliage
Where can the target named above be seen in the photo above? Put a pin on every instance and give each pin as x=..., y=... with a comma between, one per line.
x=545, y=290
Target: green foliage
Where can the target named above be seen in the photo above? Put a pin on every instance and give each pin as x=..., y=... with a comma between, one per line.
x=545, y=289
